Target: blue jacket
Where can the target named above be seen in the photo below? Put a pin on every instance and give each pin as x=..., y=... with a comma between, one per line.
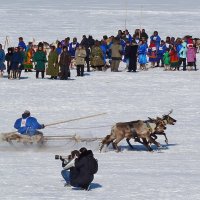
x=27, y=126
x=161, y=50
x=58, y=50
x=72, y=48
x=129, y=38
x=16, y=60
x=183, y=50
x=2, y=59
x=157, y=40
x=142, y=49
x=104, y=49
x=22, y=44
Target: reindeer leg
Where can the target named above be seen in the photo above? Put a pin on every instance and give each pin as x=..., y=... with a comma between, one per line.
x=145, y=143
x=153, y=141
x=166, y=140
x=101, y=147
x=128, y=141
x=138, y=140
x=154, y=136
x=115, y=144
x=107, y=140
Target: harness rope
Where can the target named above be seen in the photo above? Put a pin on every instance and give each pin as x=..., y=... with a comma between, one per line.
x=73, y=128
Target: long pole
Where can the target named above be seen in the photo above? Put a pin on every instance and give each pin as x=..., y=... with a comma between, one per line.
x=141, y=8
x=125, y=14
x=75, y=119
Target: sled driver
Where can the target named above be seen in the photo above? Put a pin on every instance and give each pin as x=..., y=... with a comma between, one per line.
x=27, y=125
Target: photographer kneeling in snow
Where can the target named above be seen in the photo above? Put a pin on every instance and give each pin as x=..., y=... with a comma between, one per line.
x=82, y=169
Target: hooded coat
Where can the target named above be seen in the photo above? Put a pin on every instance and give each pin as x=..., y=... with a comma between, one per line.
x=85, y=167
x=191, y=54
x=97, y=57
x=40, y=58
x=53, y=68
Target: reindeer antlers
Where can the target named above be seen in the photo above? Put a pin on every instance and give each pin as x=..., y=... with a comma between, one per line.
x=170, y=112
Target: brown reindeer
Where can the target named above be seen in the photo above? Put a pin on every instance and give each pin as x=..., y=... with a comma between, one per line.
x=167, y=120
x=134, y=129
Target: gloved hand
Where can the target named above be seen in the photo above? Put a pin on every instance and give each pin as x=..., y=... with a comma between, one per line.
x=43, y=126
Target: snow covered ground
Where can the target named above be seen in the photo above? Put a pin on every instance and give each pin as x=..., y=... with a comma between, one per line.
x=33, y=173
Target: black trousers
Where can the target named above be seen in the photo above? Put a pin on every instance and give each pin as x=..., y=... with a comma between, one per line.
x=37, y=73
x=132, y=64
x=65, y=72
x=87, y=60
x=80, y=70
x=182, y=60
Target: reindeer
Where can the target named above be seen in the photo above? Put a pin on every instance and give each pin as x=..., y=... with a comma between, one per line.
x=167, y=120
x=134, y=129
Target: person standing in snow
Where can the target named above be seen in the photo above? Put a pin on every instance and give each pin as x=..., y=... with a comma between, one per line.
x=142, y=54
x=166, y=60
x=161, y=50
x=72, y=47
x=152, y=53
x=191, y=56
x=156, y=39
x=116, y=54
x=8, y=59
x=40, y=59
x=64, y=63
x=53, y=68
x=80, y=55
x=97, y=57
x=16, y=62
x=28, y=65
x=183, y=55
x=133, y=57
x=2, y=60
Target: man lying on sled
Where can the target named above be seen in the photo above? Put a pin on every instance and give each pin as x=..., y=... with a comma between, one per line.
x=28, y=126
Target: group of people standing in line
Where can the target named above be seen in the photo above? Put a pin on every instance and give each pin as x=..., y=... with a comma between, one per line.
x=56, y=59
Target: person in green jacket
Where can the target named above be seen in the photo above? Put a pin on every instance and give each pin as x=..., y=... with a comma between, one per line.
x=40, y=59
x=53, y=68
x=166, y=60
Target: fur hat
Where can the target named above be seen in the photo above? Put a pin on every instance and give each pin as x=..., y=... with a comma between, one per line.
x=26, y=114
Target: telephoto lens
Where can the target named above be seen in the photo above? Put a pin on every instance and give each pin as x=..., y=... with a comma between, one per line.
x=57, y=157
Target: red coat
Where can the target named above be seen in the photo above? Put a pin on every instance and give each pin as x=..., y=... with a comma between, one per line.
x=173, y=56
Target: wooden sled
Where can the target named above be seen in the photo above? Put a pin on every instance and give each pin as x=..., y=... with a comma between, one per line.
x=10, y=137
x=40, y=139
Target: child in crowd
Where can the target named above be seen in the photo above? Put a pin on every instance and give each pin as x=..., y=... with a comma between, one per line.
x=174, y=60
x=152, y=53
x=166, y=60
x=191, y=56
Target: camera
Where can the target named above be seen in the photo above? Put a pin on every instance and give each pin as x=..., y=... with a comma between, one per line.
x=58, y=157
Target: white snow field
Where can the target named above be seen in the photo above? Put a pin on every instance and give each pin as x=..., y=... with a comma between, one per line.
x=32, y=173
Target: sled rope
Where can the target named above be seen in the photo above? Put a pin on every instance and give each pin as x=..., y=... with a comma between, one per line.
x=75, y=119
x=92, y=127
x=75, y=137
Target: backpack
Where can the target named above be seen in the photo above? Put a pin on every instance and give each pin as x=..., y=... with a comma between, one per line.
x=93, y=165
